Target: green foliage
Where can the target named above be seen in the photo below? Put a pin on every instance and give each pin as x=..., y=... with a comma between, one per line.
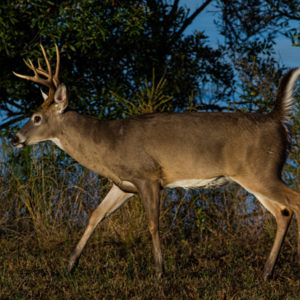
x=115, y=46
x=106, y=46
x=150, y=98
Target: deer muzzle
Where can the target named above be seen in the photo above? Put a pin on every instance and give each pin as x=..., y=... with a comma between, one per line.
x=18, y=141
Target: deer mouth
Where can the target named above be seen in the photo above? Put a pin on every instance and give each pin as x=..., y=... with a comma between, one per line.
x=18, y=141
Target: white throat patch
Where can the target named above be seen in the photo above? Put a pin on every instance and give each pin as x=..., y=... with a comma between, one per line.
x=57, y=142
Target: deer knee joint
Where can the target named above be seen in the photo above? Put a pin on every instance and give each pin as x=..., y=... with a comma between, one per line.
x=152, y=228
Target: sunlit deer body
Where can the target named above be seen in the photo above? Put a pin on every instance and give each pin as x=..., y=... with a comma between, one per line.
x=143, y=154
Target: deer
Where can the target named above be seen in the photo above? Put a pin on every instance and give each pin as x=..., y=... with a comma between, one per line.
x=146, y=153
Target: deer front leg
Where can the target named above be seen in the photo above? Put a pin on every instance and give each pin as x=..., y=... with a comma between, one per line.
x=150, y=196
x=113, y=200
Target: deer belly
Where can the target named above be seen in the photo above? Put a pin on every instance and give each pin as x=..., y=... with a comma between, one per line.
x=195, y=183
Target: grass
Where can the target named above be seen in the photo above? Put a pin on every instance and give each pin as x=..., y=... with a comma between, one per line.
x=219, y=267
x=213, y=247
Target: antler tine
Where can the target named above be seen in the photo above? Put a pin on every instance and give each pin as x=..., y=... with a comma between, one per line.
x=41, y=71
x=29, y=65
x=55, y=77
x=47, y=62
x=48, y=74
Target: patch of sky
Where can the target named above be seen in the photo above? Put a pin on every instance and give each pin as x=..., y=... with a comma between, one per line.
x=205, y=22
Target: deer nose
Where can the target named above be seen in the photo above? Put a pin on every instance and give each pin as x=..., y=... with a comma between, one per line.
x=15, y=140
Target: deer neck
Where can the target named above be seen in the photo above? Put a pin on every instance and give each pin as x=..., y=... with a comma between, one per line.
x=84, y=139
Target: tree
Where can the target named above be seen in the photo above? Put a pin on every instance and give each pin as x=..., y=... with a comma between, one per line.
x=250, y=28
x=107, y=46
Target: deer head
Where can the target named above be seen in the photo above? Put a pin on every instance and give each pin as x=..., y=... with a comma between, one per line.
x=45, y=121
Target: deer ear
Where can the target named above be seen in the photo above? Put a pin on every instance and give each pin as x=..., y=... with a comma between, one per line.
x=45, y=96
x=61, y=98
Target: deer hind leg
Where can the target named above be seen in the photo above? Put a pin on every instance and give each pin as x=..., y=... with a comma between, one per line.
x=283, y=217
x=281, y=201
x=292, y=200
x=113, y=200
x=295, y=196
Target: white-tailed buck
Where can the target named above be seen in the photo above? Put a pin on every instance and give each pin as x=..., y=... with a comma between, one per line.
x=143, y=154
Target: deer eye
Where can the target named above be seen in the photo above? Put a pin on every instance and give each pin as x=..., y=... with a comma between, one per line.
x=37, y=119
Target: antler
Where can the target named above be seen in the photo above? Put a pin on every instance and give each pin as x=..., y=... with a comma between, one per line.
x=52, y=82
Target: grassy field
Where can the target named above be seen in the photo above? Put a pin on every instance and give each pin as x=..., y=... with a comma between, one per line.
x=213, y=246
x=118, y=264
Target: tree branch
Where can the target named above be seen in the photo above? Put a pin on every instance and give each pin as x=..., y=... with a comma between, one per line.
x=191, y=18
x=282, y=13
x=174, y=7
